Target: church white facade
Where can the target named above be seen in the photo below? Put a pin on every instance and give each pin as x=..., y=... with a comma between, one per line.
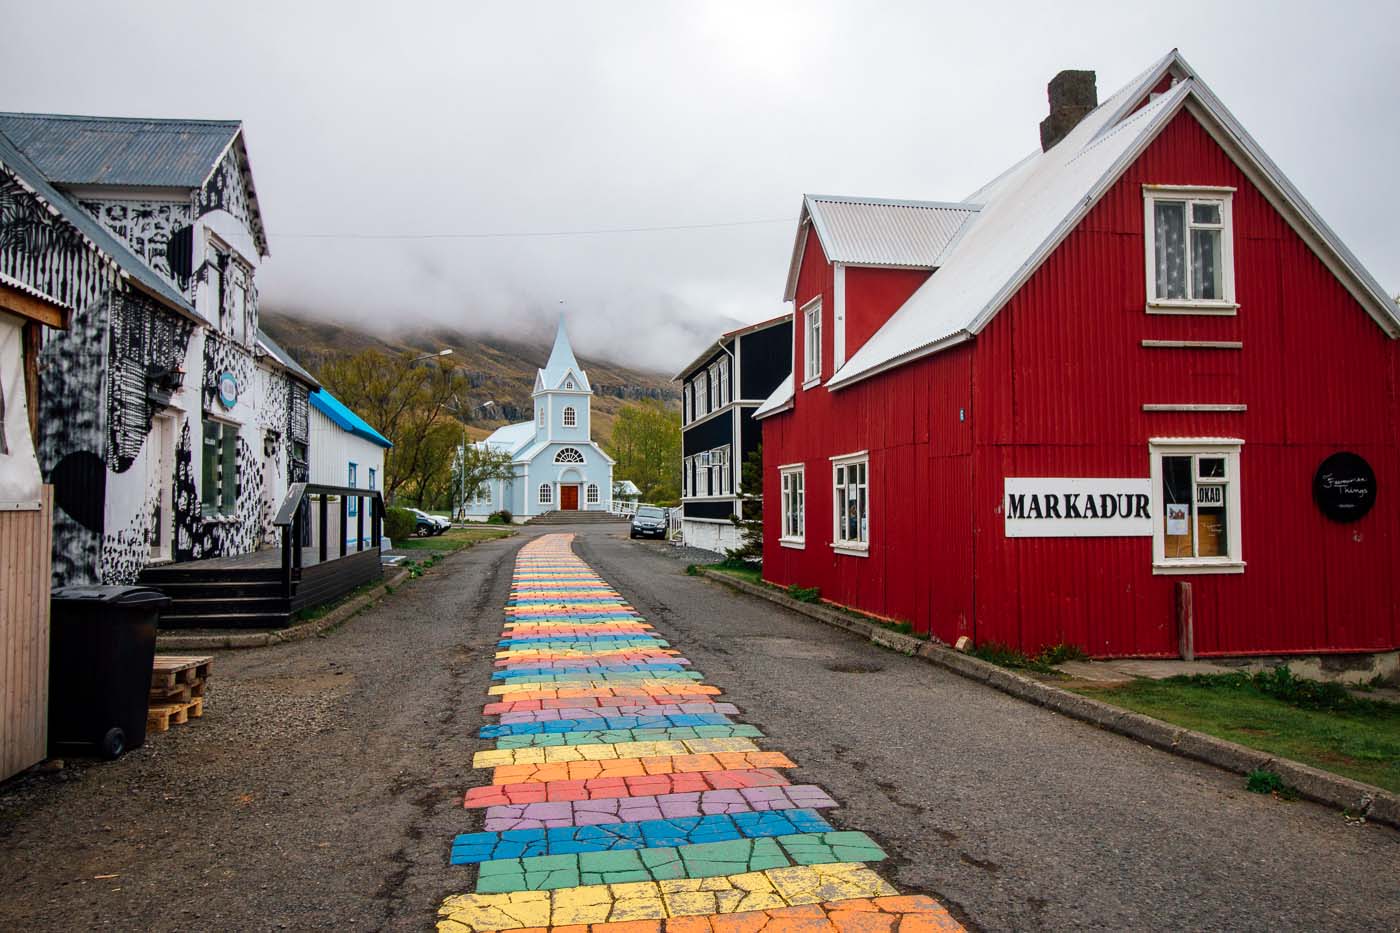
x=555, y=464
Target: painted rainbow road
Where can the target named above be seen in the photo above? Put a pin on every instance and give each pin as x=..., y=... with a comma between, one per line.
x=626, y=798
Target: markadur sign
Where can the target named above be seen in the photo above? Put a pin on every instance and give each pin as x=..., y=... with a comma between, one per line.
x=1077, y=507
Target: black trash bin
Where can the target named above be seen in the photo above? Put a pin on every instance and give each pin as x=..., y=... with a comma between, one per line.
x=101, y=651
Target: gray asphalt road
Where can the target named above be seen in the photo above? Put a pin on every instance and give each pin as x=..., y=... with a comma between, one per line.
x=323, y=786
x=1014, y=817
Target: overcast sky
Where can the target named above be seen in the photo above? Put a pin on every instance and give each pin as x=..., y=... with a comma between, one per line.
x=419, y=119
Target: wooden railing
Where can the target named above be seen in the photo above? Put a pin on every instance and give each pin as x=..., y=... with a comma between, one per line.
x=293, y=517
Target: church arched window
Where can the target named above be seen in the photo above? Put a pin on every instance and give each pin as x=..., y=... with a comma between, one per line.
x=568, y=455
x=546, y=494
x=570, y=417
x=569, y=384
x=592, y=493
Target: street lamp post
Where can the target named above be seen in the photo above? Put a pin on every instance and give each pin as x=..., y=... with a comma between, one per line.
x=445, y=351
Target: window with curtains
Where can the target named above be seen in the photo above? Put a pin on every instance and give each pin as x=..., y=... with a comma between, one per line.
x=1190, y=249
x=851, y=503
x=794, y=504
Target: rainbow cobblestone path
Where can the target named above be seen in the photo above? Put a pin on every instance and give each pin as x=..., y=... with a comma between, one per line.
x=625, y=797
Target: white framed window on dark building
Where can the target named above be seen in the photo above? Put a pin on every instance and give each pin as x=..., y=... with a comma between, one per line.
x=1196, y=505
x=1190, y=250
x=850, y=504
x=794, y=505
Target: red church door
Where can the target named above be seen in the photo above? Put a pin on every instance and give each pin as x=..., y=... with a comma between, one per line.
x=568, y=498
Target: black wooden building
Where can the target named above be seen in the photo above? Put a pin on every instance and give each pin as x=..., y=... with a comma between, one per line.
x=719, y=391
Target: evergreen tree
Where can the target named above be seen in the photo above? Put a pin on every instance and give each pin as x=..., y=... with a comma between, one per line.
x=750, y=525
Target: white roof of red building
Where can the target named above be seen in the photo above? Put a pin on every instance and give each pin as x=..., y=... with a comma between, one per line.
x=878, y=231
x=1027, y=211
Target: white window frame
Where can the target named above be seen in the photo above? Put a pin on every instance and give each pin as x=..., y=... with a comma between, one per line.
x=716, y=402
x=1229, y=449
x=570, y=417
x=539, y=415
x=685, y=404
x=702, y=394
x=792, y=485
x=238, y=288
x=560, y=458
x=227, y=504
x=1224, y=305
x=352, y=508
x=812, y=343
x=546, y=494
x=591, y=494
x=724, y=396
x=839, y=543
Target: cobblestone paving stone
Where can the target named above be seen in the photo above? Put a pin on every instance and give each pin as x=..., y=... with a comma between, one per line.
x=549, y=814
x=623, y=797
x=644, y=785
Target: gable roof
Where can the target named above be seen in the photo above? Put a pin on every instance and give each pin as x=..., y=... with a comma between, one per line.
x=877, y=231
x=724, y=338
x=1029, y=210
x=120, y=151
x=284, y=358
x=345, y=419
x=132, y=152
x=511, y=437
x=561, y=365
x=131, y=267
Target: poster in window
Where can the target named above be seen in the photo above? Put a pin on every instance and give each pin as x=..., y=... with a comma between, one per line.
x=1177, y=518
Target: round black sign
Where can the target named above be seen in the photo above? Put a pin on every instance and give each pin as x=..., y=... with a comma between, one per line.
x=1344, y=487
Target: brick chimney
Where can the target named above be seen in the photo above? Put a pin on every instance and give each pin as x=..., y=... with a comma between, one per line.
x=1073, y=94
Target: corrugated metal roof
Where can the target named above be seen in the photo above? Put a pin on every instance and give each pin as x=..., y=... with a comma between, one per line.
x=117, y=251
x=344, y=417
x=275, y=350
x=76, y=150
x=32, y=292
x=879, y=232
x=1032, y=207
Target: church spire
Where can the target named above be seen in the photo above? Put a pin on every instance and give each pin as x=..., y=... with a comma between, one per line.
x=562, y=365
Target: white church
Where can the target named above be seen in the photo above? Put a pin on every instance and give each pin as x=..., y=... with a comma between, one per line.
x=555, y=464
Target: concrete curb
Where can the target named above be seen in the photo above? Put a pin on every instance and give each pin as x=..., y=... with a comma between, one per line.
x=1354, y=797
x=292, y=633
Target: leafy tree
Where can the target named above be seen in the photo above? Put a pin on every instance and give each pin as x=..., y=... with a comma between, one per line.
x=750, y=526
x=646, y=443
x=477, y=466
x=406, y=403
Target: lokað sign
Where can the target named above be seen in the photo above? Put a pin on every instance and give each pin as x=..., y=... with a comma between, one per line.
x=1344, y=487
x=1077, y=507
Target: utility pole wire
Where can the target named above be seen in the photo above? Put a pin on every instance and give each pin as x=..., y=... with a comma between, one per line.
x=533, y=234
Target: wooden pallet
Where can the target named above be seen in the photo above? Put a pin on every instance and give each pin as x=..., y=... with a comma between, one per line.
x=170, y=670
x=161, y=716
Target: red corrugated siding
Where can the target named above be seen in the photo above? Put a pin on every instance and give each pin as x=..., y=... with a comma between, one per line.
x=1054, y=386
x=872, y=295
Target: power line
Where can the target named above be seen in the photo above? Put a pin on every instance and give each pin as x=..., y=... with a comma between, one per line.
x=532, y=234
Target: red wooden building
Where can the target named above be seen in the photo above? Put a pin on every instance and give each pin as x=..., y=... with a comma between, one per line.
x=1133, y=392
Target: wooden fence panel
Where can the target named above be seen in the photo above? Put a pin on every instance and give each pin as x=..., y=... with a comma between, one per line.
x=25, y=543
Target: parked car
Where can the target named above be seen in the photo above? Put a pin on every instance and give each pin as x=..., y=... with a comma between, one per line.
x=649, y=522
x=429, y=525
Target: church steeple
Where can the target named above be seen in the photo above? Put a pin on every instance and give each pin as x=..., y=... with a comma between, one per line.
x=562, y=367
